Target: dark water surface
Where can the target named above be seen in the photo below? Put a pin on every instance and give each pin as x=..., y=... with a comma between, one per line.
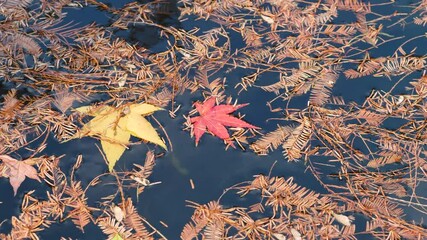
x=211, y=168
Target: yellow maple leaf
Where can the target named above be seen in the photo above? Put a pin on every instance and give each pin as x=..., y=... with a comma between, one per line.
x=143, y=108
x=114, y=126
x=139, y=127
x=114, y=142
x=117, y=237
x=101, y=123
x=94, y=110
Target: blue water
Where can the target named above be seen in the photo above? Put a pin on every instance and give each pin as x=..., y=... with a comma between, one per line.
x=209, y=166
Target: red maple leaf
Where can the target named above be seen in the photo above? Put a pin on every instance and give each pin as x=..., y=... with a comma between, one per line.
x=17, y=171
x=215, y=118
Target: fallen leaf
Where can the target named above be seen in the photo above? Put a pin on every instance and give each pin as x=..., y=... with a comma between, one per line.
x=17, y=171
x=267, y=19
x=279, y=236
x=101, y=122
x=215, y=118
x=117, y=237
x=296, y=234
x=143, y=108
x=93, y=110
x=118, y=213
x=114, y=126
x=139, y=127
x=343, y=219
x=114, y=143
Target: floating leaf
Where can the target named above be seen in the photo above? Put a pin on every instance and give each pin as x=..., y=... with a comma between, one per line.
x=17, y=171
x=143, y=108
x=94, y=110
x=343, y=219
x=114, y=145
x=296, y=234
x=117, y=237
x=99, y=124
x=215, y=118
x=267, y=19
x=114, y=126
x=279, y=236
x=139, y=127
